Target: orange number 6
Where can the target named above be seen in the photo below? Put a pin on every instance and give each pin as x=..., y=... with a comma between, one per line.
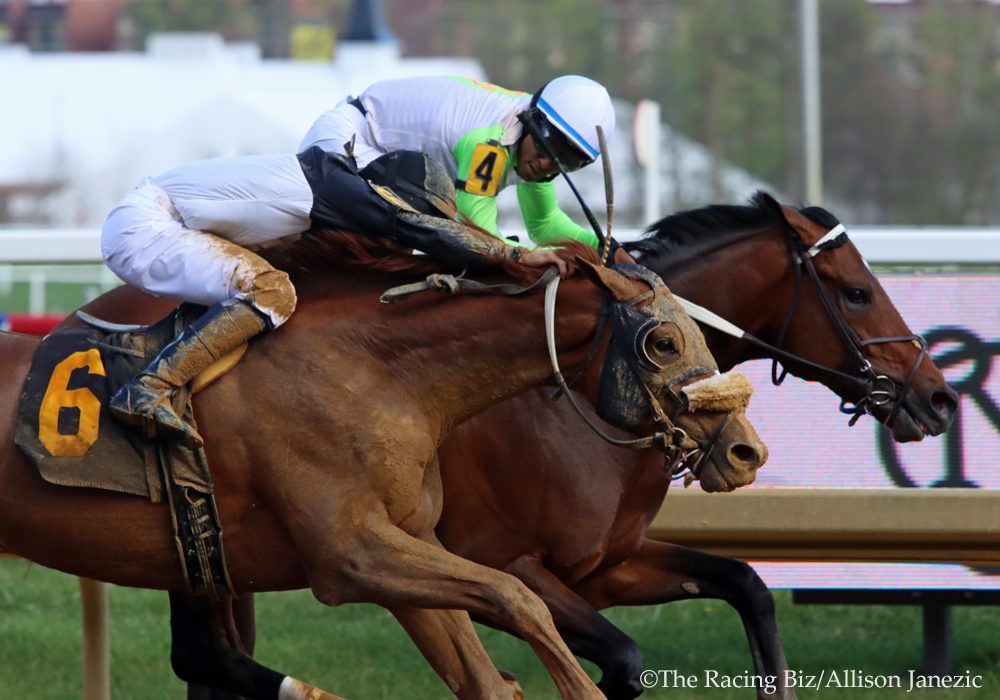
x=58, y=395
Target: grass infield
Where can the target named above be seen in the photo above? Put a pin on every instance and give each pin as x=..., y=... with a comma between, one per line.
x=360, y=652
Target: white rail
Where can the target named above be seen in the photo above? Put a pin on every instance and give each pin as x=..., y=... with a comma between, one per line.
x=889, y=245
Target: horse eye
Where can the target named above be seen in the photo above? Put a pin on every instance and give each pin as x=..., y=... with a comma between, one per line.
x=856, y=296
x=665, y=345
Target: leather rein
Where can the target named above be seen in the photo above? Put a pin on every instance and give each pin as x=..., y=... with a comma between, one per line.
x=875, y=389
x=679, y=462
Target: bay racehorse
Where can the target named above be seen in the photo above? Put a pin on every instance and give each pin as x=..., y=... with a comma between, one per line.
x=580, y=541
x=323, y=447
x=751, y=266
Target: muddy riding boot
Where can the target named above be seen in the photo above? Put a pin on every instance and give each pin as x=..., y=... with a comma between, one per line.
x=147, y=400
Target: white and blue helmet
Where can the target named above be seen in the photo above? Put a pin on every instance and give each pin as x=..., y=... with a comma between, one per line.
x=565, y=113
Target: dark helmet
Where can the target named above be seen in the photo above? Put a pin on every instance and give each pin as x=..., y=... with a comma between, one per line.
x=417, y=179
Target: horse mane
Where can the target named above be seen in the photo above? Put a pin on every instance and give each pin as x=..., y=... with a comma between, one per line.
x=674, y=234
x=322, y=255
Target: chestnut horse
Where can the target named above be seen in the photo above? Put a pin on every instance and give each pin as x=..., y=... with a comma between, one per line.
x=323, y=449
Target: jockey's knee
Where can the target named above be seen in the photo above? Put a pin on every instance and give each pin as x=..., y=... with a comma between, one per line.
x=273, y=294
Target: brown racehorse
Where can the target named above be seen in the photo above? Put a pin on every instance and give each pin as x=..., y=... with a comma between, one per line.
x=323, y=448
x=582, y=545
x=741, y=263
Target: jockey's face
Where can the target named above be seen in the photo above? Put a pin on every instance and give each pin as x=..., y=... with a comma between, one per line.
x=532, y=165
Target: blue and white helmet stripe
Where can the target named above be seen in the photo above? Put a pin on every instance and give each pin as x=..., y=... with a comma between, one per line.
x=564, y=126
x=577, y=106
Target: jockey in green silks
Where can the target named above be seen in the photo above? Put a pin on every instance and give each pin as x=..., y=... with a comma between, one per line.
x=477, y=130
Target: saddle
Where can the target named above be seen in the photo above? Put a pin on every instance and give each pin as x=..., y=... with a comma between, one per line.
x=65, y=429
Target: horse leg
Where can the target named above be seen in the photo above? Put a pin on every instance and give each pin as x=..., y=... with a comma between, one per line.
x=588, y=634
x=384, y=565
x=662, y=573
x=435, y=633
x=245, y=622
x=205, y=650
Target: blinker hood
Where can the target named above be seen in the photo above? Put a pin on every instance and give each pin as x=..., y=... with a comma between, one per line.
x=623, y=399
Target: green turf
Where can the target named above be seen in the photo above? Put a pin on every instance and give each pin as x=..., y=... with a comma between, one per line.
x=361, y=653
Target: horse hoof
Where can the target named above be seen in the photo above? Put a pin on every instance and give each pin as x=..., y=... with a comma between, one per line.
x=517, y=692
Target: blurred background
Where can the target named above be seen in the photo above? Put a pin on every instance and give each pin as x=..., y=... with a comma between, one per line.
x=883, y=111
x=98, y=93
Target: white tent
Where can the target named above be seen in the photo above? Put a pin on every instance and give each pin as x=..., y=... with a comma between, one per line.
x=100, y=122
x=91, y=125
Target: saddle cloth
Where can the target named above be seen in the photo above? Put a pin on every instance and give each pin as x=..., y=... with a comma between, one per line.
x=64, y=425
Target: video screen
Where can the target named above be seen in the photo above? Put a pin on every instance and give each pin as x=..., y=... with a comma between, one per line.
x=811, y=443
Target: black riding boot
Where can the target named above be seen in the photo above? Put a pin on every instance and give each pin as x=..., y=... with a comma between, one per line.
x=147, y=399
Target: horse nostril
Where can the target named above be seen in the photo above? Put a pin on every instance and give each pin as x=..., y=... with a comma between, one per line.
x=743, y=453
x=944, y=402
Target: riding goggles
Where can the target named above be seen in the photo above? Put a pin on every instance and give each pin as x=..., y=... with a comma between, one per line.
x=551, y=142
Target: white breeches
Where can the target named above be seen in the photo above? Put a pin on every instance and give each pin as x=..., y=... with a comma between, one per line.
x=146, y=244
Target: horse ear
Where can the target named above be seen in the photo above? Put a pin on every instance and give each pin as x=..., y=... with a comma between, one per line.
x=765, y=201
x=619, y=286
x=791, y=215
x=803, y=225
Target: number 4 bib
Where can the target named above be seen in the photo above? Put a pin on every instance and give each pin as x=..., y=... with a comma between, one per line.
x=486, y=170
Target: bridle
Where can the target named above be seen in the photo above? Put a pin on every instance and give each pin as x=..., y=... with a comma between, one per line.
x=875, y=389
x=679, y=461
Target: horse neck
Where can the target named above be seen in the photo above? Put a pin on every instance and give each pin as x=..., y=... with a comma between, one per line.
x=745, y=280
x=461, y=355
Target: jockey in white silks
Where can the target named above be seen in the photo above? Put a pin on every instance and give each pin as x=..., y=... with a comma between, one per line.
x=186, y=235
x=486, y=137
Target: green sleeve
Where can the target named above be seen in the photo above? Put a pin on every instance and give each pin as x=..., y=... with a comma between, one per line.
x=544, y=220
x=480, y=209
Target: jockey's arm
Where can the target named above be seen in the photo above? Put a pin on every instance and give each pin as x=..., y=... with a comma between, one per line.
x=463, y=245
x=482, y=165
x=344, y=200
x=543, y=218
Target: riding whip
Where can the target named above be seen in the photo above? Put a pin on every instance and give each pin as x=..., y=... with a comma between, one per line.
x=609, y=192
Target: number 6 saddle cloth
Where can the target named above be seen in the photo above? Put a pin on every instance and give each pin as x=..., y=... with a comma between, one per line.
x=65, y=428
x=64, y=424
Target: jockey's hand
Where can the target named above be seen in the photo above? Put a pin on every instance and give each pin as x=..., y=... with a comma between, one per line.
x=540, y=257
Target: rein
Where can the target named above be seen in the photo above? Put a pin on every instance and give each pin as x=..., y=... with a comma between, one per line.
x=676, y=459
x=876, y=389
x=453, y=284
